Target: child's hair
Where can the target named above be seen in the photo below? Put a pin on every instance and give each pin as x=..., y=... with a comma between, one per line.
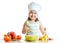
x=35, y=20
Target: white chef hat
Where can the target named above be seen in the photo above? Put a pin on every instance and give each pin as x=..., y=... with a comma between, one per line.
x=34, y=6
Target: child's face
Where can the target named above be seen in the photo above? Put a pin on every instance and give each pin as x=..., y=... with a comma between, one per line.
x=33, y=15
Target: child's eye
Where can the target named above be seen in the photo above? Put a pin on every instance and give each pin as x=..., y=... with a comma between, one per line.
x=31, y=16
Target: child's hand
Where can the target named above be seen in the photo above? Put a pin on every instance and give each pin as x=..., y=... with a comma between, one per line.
x=25, y=28
x=28, y=29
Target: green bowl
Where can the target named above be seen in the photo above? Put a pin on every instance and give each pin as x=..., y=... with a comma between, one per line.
x=31, y=37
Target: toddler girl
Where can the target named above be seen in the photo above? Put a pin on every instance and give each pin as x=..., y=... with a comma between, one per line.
x=32, y=25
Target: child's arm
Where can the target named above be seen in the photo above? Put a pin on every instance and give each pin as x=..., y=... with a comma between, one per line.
x=42, y=28
x=25, y=28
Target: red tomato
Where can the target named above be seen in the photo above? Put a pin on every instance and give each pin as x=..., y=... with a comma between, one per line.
x=14, y=37
x=19, y=37
x=12, y=33
x=7, y=38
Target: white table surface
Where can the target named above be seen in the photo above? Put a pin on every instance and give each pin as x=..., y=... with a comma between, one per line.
x=22, y=41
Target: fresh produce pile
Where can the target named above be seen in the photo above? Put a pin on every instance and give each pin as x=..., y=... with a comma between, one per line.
x=11, y=36
x=44, y=38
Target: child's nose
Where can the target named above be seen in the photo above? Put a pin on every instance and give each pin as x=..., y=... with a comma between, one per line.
x=32, y=14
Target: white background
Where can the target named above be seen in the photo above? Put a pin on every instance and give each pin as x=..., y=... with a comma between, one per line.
x=13, y=14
